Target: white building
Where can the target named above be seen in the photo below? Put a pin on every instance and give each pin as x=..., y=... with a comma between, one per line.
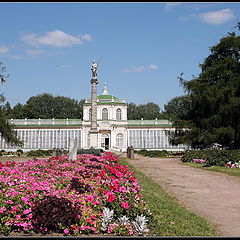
x=115, y=131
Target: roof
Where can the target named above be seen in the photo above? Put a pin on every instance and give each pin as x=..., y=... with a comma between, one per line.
x=106, y=97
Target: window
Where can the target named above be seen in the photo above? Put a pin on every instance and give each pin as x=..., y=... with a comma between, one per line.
x=90, y=113
x=119, y=141
x=104, y=114
x=119, y=114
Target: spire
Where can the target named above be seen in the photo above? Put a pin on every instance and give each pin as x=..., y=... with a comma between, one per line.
x=105, y=91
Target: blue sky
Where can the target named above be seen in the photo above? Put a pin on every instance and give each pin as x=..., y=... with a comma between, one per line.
x=141, y=47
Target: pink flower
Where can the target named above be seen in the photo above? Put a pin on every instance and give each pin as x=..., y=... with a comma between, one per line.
x=83, y=227
x=125, y=205
x=122, y=189
x=111, y=197
x=2, y=209
x=90, y=198
x=7, y=223
x=66, y=231
x=27, y=211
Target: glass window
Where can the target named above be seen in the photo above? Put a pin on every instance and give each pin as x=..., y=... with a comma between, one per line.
x=119, y=114
x=119, y=141
x=104, y=114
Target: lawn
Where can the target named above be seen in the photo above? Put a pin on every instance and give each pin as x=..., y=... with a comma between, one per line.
x=225, y=170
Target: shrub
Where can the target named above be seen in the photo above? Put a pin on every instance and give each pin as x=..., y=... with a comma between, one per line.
x=212, y=157
x=39, y=153
x=154, y=153
x=96, y=152
x=52, y=214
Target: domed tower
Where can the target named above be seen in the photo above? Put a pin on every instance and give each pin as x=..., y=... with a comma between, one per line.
x=111, y=119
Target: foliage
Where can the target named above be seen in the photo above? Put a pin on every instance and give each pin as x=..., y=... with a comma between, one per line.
x=47, y=106
x=93, y=151
x=6, y=129
x=212, y=157
x=214, y=96
x=54, y=214
x=148, y=111
x=39, y=153
x=177, y=107
x=153, y=153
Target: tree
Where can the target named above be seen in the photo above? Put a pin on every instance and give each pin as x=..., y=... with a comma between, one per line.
x=132, y=112
x=177, y=107
x=148, y=111
x=6, y=129
x=47, y=106
x=214, y=111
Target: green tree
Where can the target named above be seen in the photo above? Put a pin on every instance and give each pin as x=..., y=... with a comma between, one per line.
x=47, y=106
x=214, y=112
x=177, y=107
x=6, y=129
x=148, y=111
x=132, y=111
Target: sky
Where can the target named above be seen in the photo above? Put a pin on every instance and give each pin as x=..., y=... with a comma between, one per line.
x=140, y=47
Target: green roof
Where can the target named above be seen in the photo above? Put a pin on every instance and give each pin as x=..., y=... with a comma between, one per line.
x=106, y=97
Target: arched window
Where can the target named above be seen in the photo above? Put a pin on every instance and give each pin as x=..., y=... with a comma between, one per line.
x=90, y=113
x=119, y=114
x=104, y=114
x=119, y=141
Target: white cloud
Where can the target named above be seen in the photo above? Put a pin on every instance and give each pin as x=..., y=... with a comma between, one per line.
x=141, y=68
x=217, y=17
x=135, y=69
x=34, y=52
x=153, y=67
x=86, y=37
x=55, y=38
x=4, y=49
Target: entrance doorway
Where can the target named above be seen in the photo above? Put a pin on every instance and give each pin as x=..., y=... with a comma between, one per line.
x=105, y=141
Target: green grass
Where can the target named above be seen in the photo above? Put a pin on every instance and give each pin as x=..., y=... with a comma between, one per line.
x=229, y=171
x=170, y=218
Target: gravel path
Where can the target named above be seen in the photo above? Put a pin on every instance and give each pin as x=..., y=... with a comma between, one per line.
x=214, y=196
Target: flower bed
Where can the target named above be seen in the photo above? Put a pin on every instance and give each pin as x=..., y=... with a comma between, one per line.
x=233, y=165
x=92, y=195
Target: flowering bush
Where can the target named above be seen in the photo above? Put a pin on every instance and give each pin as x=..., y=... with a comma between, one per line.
x=69, y=197
x=196, y=160
x=233, y=165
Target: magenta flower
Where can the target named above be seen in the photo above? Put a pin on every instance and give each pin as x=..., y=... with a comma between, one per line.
x=122, y=189
x=125, y=205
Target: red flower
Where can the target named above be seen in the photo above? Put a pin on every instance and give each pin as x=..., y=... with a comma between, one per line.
x=125, y=205
x=111, y=197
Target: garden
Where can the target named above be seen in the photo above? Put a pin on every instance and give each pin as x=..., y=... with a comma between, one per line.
x=93, y=195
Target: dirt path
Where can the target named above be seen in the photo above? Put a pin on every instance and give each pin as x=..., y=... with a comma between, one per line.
x=214, y=196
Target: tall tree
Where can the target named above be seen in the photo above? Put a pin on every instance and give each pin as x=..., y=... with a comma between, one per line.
x=6, y=129
x=177, y=107
x=48, y=106
x=214, y=112
x=148, y=111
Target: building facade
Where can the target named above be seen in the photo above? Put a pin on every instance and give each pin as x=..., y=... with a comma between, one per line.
x=114, y=130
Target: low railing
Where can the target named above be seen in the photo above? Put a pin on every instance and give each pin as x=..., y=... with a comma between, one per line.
x=106, y=100
x=149, y=122
x=45, y=121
